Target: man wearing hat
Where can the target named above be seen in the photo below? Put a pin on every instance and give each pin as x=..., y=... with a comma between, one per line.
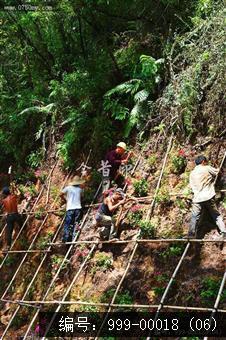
x=72, y=195
x=9, y=203
x=104, y=216
x=116, y=158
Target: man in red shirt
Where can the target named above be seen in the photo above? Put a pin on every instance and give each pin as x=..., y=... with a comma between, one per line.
x=116, y=158
x=9, y=203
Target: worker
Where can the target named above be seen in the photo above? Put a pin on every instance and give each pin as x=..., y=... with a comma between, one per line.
x=202, y=181
x=116, y=158
x=9, y=203
x=72, y=195
x=104, y=217
x=113, y=160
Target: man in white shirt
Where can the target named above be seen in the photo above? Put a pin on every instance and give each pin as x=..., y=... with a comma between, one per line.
x=202, y=181
x=72, y=195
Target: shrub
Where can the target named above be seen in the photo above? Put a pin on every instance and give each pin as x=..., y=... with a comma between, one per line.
x=102, y=261
x=141, y=187
x=124, y=298
x=172, y=251
x=35, y=158
x=179, y=164
x=210, y=288
x=163, y=197
x=107, y=295
x=56, y=261
x=147, y=229
x=39, y=213
x=152, y=162
x=135, y=215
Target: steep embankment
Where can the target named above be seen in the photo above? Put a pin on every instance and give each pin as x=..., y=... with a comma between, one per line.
x=153, y=263
x=191, y=107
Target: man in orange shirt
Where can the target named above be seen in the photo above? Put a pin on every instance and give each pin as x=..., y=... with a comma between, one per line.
x=9, y=203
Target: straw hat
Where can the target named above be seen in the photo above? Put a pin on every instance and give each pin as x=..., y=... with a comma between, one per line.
x=77, y=181
x=122, y=145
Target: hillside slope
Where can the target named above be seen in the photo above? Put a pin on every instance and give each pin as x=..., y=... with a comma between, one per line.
x=187, y=118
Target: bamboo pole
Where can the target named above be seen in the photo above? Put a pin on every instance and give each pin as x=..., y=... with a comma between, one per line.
x=117, y=242
x=160, y=178
x=39, y=303
x=39, y=267
x=75, y=278
x=68, y=290
x=161, y=240
x=31, y=245
x=149, y=213
x=180, y=262
x=61, y=265
x=27, y=251
x=24, y=224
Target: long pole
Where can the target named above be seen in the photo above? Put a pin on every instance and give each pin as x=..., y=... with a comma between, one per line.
x=149, y=213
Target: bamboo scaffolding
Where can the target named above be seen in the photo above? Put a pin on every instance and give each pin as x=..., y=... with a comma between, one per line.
x=76, y=276
x=25, y=222
x=63, y=261
x=39, y=267
x=31, y=283
x=149, y=213
x=180, y=262
x=68, y=290
x=38, y=303
x=160, y=240
x=27, y=251
x=174, y=240
x=31, y=245
x=147, y=200
x=60, y=268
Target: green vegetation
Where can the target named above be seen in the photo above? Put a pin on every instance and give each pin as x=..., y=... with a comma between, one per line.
x=147, y=229
x=175, y=250
x=39, y=213
x=210, y=288
x=121, y=298
x=9, y=261
x=102, y=262
x=163, y=196
x=152, y=162
x=161, y=281
x=179, y=163
x=141, y=187
x=44, y=240
x=135, y=215
x=68, y=72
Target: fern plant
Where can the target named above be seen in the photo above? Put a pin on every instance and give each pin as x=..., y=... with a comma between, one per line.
x=129, y=99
